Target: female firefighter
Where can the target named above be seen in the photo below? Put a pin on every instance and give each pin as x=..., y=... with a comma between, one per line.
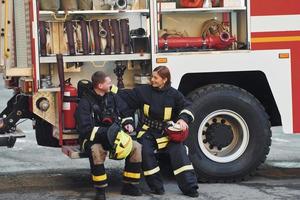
x=160, y=104
x=97, y=118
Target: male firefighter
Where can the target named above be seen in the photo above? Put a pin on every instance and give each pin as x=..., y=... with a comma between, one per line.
x=99, y=125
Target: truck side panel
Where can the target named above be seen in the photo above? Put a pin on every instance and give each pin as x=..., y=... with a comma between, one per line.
x=277, y=27
x=265, y=61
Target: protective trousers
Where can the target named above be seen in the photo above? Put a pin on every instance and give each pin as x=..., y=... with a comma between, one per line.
x=181, y=165
x=97, y=155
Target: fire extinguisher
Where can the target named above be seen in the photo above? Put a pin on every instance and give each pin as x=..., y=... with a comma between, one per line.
x=69, y=105
x=191, y=3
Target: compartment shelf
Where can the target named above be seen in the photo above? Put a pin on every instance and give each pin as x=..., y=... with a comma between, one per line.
x=93, y=12
x=93, y=58
x=216, y=9
x=52, y=89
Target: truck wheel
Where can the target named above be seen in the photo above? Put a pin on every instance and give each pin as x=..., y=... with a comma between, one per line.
x=43, y=134
x=230, y=136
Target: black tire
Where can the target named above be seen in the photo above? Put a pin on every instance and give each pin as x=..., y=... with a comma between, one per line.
x=43, y=134
x=222, y=107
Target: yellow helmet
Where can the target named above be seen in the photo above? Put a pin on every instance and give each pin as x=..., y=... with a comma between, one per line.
x=120, y=141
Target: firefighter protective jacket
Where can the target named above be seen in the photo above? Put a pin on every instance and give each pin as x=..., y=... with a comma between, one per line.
x=159, y=105
x=96, y=111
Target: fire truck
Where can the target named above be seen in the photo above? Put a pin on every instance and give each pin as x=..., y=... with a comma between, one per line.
x=238, y=61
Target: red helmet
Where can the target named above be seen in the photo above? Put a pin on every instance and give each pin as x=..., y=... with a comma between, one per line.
x=175, y=133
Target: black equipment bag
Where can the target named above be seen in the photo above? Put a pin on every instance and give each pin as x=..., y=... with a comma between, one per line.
x=84, y=88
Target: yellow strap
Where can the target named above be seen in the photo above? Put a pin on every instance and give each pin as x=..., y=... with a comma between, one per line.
x=152, y=171
x=132, y=175
x=182, y=169
x=114, y=89
x=99, y=178
x=94, y=131
x=145, y=127
x=146, y=110
x=162, y=142
x=167, y=113
x=162, y=145
x=162, y=139
x=140, y=134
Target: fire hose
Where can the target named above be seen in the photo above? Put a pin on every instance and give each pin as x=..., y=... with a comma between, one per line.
x=124, y=25
x=212, y=27
x=85, y=39
x=115, y=25
x=69, y=32
x=223, y=41
x=108, y=44
x=94, y=25
x=43, y=38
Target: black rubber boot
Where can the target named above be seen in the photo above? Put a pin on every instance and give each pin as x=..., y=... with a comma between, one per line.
x=192, y=193
x=131, y=190
x=100, y=194
x=158, y=191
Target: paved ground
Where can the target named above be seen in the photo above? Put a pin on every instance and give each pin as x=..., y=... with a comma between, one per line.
x=32, y=172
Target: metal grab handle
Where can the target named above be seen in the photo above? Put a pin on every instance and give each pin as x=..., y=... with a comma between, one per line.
x=64, y=18
x=98, y=65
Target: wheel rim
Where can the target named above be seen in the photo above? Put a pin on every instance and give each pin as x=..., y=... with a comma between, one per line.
x=237, y=141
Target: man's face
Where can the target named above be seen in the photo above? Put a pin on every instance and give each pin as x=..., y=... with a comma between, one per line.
x=106, y=85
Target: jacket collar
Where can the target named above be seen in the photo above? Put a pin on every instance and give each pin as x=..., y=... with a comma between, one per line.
x=165, y=88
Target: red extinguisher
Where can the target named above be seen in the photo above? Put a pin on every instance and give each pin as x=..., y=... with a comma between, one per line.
x=191, y=3
x=69, y=105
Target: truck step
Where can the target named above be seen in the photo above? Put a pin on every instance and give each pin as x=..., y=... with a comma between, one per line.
x=73, y=152
x=9, y=139
x=14, y=135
